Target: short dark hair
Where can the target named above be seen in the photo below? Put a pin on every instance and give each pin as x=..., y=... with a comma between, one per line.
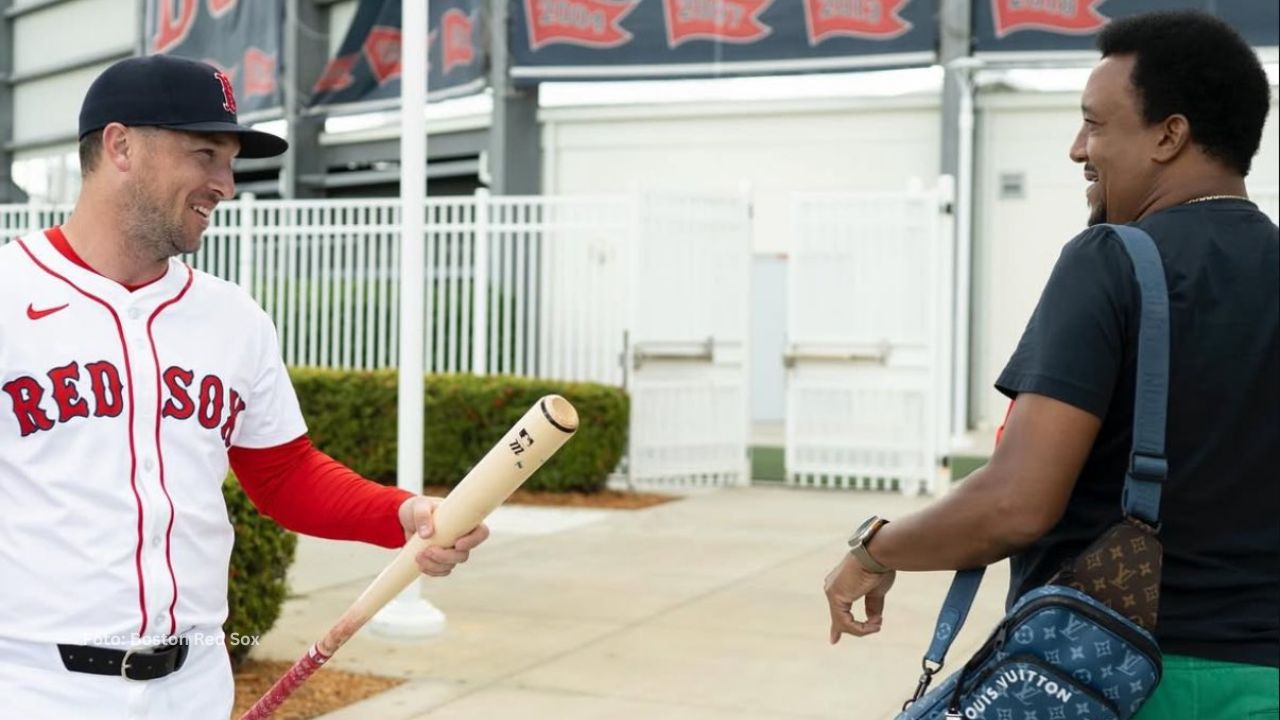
x=90, y=149
x=1193, y=64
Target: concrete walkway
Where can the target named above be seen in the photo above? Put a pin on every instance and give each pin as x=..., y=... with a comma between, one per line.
x=709, y=608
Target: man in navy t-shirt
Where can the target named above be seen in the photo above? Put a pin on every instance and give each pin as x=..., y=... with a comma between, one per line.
x=1172, y=117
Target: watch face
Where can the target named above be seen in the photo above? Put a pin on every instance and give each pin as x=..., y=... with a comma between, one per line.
x=866, y=525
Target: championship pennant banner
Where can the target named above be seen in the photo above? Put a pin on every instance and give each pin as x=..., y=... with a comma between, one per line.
x=242, y=38
x=613, y=39
x=1046, y=26
x=367, y=66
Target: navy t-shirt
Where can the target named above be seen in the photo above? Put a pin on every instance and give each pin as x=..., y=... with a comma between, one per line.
x=1220, y=591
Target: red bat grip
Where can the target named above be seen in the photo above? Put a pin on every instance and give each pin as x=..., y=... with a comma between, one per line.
x=304, y=668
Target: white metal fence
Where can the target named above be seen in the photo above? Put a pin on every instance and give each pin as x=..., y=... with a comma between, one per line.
x=327, y=272
x=18, y=220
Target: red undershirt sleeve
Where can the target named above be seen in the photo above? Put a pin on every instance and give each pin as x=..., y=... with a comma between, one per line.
x=309, y=492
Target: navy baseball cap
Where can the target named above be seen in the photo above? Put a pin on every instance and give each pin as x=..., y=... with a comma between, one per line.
x=174, y=93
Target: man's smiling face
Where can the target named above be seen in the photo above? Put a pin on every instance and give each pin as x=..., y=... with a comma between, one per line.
x=1114, y=144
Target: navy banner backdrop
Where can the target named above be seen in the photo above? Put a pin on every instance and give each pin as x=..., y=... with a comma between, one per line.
x=239, y=37
x=1057, y=25
x=367, y=66
x=620, y=39
x=586, y=39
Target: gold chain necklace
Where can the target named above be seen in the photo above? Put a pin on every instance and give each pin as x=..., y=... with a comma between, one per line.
x=1207, y=198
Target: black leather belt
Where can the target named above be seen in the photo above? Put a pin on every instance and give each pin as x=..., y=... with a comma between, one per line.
x=137, y=664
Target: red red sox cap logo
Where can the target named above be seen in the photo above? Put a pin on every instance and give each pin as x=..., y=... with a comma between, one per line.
x=228, y=93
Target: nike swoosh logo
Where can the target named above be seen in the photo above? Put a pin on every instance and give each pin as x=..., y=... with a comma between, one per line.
x=35, y=314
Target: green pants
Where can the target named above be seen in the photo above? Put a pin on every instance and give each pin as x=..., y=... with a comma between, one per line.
x=1198, y=689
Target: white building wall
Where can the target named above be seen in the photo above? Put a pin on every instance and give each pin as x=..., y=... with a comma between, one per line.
x=55, y=35
x=50, y=106
x=1017, y=240
x=776, y=148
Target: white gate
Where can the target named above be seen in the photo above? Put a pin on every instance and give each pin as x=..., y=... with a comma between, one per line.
x=687, y=346
x=868, y=339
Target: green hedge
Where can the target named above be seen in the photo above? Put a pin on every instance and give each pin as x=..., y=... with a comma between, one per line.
x=351, y=415
x=256, y=583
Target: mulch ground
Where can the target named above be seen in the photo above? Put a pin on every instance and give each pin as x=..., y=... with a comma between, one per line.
x=331, y=689
x=323, y=692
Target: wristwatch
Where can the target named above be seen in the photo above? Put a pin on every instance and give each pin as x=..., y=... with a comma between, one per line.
x=858, y=543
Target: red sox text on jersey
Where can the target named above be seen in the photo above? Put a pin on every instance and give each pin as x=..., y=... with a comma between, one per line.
x=214, y=406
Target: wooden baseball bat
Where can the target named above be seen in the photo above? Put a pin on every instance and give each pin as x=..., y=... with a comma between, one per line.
x=542, y=431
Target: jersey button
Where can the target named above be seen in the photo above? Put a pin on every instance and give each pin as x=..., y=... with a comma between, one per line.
x=134, y=313
x=155, y=541
x=148, y=464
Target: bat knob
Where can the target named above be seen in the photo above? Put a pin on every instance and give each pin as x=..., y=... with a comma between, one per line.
x=559, y=412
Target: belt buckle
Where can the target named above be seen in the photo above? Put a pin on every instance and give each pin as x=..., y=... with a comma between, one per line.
x=124, y=663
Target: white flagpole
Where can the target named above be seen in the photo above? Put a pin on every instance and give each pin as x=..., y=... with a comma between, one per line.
x=410, y=615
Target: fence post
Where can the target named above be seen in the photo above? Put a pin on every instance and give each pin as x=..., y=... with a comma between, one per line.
x=245, y=272
x=637, y=207
x=943, y=336
x=746, y=210
x=480, y=287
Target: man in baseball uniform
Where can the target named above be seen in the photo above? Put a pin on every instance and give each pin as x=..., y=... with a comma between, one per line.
x=128, y=384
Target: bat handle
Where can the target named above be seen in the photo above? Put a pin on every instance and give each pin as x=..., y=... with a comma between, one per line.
x=304, y=668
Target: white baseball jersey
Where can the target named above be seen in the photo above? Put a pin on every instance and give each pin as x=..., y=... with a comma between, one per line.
x=117, y=409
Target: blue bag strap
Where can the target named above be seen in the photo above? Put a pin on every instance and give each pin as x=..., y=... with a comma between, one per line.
x=955, y=610
x=1148, y=467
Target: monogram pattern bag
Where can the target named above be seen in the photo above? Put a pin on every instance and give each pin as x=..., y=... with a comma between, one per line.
x=1058, y=655
x=1081, y=646
x=1121, y=570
